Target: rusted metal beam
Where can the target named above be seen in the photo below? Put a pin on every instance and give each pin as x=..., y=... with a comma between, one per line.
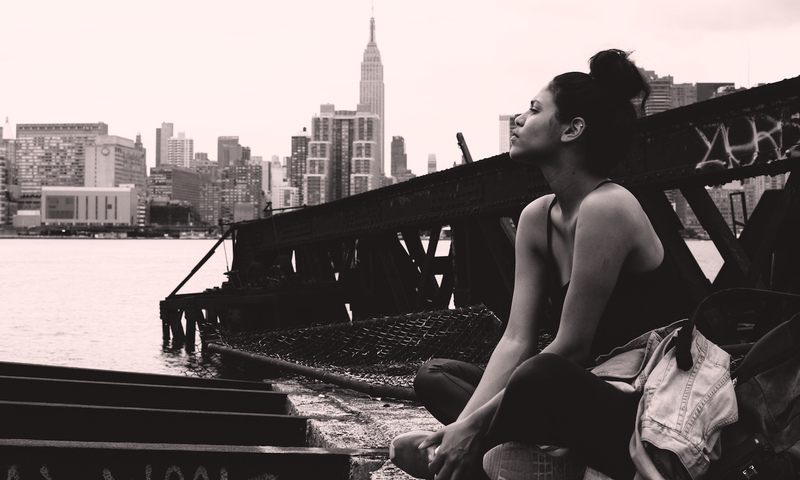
x=789, y=202
x=59, y=421
x=697, y=286
x=90, y=374
x=501, y=247
x=137, y=395
x=387, y=251
x=667, y=225
x=712, y=221
x=35, y=459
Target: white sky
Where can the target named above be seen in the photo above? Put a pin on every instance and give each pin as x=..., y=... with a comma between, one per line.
x=260, y=69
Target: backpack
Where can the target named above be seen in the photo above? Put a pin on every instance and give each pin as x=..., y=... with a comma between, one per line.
x=765, y=443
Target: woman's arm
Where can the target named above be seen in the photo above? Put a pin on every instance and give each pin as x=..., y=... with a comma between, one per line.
x=519, y=341
x=459, y=444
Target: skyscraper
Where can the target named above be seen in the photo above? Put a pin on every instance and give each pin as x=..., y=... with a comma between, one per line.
x=229, y=152
x=342, y=154
x=162, y=135
x=180, y=151
x=53, y=155
x=431, y=163
x=4, y=212
x=297, y=162
x=708, y=90
x=114, y=161
x=399, y=158
x=8, y=132
x=506, y=125
x=371, y=88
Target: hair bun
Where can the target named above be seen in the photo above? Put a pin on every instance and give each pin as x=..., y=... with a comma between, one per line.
x=617, y=74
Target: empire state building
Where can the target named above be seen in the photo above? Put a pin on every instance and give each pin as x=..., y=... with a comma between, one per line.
x=371, y=86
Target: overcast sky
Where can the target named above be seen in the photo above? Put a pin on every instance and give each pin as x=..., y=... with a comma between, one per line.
x=260, y=69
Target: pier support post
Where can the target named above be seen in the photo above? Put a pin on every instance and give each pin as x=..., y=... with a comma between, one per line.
x=194, y=316
x=171, y=321
x=165, y=314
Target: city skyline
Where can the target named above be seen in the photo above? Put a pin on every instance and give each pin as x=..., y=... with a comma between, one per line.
x=260, y=71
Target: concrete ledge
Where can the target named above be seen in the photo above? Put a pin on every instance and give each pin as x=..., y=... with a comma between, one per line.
x=343, y=418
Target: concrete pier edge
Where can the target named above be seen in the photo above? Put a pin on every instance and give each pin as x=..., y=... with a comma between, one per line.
x=343, y=418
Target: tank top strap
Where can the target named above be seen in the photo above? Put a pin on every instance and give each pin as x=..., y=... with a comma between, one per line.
x=551, y=263
x=607, y=180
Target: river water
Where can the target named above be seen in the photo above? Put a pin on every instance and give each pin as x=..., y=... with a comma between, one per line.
x=94, y=302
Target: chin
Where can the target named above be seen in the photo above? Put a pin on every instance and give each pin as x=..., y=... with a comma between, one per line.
x=517, y=156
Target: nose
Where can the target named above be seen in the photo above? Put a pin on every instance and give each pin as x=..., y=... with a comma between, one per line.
x=519, y=120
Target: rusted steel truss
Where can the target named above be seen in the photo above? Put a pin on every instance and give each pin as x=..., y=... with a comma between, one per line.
x=378, y=253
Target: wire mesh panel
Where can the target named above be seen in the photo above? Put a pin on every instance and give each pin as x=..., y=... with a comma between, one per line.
x=386, y=350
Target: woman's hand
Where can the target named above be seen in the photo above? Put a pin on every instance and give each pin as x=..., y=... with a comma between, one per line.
x=458, y=454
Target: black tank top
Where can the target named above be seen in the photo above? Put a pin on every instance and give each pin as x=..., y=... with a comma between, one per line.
x=640, y=301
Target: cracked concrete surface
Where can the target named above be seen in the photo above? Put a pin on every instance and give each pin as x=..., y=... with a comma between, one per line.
x=343, y=418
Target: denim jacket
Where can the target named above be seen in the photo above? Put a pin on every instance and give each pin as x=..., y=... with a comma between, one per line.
x=681, y=414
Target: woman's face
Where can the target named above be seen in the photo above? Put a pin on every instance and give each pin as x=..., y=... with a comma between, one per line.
x=537, y=130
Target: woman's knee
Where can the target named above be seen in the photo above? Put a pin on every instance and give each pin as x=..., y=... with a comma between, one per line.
x=427, y=375
x=445, y=377
x=542, y=371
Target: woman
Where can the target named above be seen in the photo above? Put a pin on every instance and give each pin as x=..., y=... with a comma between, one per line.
x=589, y=263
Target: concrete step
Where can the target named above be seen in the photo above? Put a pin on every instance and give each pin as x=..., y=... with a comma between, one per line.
x=58, y=422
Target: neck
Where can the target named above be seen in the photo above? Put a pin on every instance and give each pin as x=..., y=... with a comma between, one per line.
x=570, y=182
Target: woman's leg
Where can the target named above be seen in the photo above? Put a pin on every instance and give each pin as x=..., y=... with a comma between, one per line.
x=550, y=400
x=445, y=386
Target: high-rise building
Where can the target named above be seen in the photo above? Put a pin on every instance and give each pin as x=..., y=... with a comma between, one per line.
x=683, y=94
x=399, y=159
x=283, y=195
x=371, y=89
x=180, y=151
x=7, y=131
x=706, y=91
x=229, y=152
x=431, y=163
x=9, y=188
x=755, y=187
x=113, y=161
x=242, y=195
x=162, y=135
x=266, y=175
x=210, y=189
x=506, y=125
x=296, y=166
x=660, y=99
x=177, y=184
x=5, y=214
x=342, y=154
x=665, y=94
x=53, y=155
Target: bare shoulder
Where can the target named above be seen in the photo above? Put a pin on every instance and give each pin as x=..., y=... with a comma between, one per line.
x=535, y=212
x=614, y=203
x=531, y=231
